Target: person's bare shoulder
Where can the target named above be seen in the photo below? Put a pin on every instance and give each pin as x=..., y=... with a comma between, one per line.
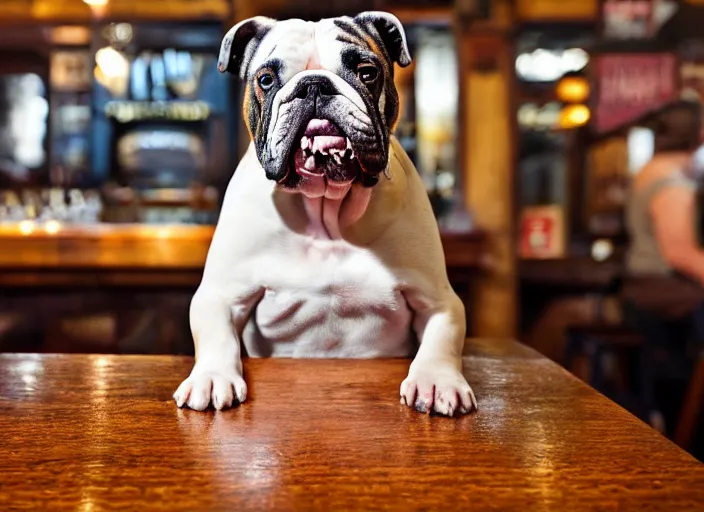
x=660, y=166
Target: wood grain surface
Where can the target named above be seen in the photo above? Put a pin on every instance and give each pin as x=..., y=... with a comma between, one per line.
x=93, y=433
x=151, y=247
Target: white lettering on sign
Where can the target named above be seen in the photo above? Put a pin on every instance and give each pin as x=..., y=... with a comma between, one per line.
x=128, y=111
x=629, y=85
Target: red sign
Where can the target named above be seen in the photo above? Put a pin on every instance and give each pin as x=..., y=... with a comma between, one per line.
x=631, y=85
x=542, y=232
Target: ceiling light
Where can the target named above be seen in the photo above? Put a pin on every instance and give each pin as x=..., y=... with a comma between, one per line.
x=573, y=89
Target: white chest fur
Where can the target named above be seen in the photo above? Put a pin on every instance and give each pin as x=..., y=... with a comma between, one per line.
x=327, y=298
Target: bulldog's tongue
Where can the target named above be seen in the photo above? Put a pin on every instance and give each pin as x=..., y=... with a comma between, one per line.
x=321, y=127
x=326, y=165
x=322, y=136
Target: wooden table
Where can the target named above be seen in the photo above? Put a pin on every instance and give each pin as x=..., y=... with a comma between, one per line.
x=92, y=433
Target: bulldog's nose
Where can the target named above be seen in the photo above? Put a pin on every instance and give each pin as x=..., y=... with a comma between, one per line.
x=311, y=87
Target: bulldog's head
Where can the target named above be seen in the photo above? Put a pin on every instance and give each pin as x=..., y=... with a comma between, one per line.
x=319, y=101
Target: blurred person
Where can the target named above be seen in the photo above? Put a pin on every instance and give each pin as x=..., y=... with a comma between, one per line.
x=664, y=286
x=661, y=216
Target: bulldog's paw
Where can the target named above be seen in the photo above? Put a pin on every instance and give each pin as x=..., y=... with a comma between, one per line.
x=437, y=387
x=221, y=388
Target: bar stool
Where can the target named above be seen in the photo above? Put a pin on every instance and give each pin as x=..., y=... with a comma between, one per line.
x=598, y=338
x=692, y=407
x=595, y=340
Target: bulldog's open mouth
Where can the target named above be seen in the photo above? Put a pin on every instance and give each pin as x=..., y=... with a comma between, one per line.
x=323, y=162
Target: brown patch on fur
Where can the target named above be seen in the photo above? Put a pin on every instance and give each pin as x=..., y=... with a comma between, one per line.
x=259, y=93
x=246, y=105
x=260, y=97
x=375, y=47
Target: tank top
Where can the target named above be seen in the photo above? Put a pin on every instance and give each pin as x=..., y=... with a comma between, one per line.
x=644, y=257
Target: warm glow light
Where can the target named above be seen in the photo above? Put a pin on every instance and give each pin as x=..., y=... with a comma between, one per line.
x=573, y=89
x=52, y=227
x=27, y=227
x=602, y=250
x=573, y=116
x=112, y=70
x=70, y=35
x=163, y=233
x=98, y=7
x=112, y=63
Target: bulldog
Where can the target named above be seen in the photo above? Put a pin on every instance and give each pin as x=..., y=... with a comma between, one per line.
x=326, y=245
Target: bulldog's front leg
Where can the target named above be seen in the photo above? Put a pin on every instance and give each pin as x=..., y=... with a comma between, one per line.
x=435, y=382
x=217, y=321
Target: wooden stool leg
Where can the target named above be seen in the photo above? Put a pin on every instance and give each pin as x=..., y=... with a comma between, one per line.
x=573, y=345
x=691, y=407
x=596, y=370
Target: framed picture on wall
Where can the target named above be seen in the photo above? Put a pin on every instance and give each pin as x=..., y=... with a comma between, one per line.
x=542, y=232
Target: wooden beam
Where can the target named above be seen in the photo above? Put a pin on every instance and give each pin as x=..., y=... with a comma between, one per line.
x=16, y=11
x=557, y=10
x=488, y=137
x=161, y=10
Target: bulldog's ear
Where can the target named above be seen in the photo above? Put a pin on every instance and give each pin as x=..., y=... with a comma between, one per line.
x=391, y=32
x=240, y=43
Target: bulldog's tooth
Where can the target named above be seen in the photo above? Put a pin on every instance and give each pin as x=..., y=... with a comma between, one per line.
x=310, y=163
x=337, y=158
x=352, y=154
x=349, y=144
x=304, y=142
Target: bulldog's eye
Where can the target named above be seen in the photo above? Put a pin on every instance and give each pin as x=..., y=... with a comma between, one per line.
x=367, y=73
x=266, y=81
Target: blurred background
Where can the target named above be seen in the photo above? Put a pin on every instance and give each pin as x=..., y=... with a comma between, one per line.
x=528, y=120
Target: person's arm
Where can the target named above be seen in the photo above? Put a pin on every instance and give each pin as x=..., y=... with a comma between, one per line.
x=673, y=212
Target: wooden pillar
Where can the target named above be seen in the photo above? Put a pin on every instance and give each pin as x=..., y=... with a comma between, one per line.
x=489, y=154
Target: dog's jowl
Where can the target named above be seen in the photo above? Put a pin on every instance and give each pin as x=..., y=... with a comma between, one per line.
x=326, y=245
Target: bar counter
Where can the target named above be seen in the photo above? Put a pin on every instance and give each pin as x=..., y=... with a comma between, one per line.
x=102, y=433
x=121, y=288
x=138, y=254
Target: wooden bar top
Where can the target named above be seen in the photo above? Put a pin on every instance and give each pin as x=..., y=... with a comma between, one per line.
x=101, y=432
x=104, y=246
x=141, y=246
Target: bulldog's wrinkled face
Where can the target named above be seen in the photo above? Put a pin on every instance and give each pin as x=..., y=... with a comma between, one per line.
x=320, y=101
